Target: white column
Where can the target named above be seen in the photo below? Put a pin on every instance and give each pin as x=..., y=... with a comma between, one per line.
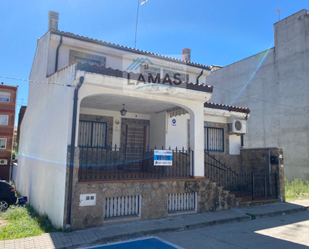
x=197, y=139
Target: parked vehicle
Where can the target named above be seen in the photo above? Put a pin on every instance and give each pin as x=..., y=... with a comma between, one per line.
x=7, y=195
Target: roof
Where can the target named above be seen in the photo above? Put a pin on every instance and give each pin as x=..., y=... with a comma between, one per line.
x=134, y=76
x=129, y=49
x=227, y=107
x=8, y=87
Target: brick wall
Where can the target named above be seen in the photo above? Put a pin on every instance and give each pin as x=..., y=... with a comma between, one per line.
x=6, y=131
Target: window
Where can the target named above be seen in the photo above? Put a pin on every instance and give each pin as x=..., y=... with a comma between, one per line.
x=92, y=134
x=214, y=139
x=5, y=97
x=2, y=143
x=4, y=120
x=91, y=59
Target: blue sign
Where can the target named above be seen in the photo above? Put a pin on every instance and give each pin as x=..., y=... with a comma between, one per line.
x=163, y=158
x=174, y=122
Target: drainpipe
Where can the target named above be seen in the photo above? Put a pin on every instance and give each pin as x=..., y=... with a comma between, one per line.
x=57, y=53
x=199, y=76
x=72, y=148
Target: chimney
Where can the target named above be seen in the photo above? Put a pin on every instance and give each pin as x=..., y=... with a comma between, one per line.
x=53, y=18
x=186, y=54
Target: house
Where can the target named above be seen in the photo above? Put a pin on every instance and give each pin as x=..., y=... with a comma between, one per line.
x=274, y=85
x=113, y=133
x=7, y=118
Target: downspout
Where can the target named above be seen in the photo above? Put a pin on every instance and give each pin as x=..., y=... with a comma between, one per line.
x=72, y=149
x=197, y=79
x=57, y=53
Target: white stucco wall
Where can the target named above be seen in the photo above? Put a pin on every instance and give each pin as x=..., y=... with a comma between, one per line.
x=235, y=144
x=157, y=130
x=277, y=95
x=45, y=130
x=115, y=58
x=177, y=133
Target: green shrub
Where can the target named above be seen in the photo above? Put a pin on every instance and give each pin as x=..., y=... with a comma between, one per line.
x=296, y=189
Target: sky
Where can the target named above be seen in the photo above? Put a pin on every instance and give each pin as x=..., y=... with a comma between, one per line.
x=218, y=32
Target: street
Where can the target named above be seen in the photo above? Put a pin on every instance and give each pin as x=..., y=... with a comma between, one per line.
x=286, y=231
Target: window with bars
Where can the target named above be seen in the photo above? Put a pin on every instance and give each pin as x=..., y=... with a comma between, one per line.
x=214, y=139
x=92, y=134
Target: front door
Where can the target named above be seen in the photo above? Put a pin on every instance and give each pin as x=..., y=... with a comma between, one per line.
x=136, y=137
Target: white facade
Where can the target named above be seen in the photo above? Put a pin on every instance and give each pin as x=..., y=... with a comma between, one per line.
x=274, y=85
x=47, y=125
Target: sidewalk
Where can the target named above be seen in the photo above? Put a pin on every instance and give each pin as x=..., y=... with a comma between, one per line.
x=100, y=235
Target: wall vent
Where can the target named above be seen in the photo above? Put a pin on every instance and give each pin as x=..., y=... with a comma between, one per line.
x=122, y=206
x=181, y=202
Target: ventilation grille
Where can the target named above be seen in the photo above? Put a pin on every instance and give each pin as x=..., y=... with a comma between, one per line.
x=181, y=202
x=122, y=206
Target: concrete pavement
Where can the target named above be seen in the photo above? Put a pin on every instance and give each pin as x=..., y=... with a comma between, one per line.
x=288, y=231
x=101, y=235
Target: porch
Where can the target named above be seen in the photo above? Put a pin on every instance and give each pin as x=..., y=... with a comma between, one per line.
x=130, y=163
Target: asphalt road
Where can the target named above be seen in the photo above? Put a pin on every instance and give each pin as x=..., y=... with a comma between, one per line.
x=285, y=231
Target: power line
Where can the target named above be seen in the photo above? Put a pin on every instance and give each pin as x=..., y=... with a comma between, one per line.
x=216, y=87
x=34, y=81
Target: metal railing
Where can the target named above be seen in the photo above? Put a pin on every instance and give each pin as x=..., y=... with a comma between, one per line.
x=129, y=163
x=218, y=172
x=245, y=184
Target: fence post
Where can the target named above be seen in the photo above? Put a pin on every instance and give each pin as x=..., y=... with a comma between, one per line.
x=276, y=185
x=265, y=187
x=252, y=186
x=192, y=152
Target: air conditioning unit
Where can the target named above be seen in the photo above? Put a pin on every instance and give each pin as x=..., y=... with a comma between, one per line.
x=238, y=126
x=3, y=161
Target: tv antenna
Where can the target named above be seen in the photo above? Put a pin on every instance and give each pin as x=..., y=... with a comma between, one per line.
x=278, y=11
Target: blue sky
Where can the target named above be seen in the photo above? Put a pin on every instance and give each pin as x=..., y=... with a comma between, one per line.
x=218, y=32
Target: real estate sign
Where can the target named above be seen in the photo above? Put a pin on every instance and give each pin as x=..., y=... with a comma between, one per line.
x=163, y=158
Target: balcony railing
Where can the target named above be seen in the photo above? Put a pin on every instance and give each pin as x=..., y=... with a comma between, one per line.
x=130, y=163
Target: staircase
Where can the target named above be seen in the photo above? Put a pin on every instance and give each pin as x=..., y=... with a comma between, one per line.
x=249, y=186
x=220, y=173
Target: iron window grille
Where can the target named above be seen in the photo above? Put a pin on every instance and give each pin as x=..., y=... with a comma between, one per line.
x=214, y=139
x=92, y=134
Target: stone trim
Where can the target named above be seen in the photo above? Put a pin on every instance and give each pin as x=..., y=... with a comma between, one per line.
x=154, y=200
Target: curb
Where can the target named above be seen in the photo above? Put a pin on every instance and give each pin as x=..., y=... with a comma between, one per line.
x=278, y=213
x=153, y=232
x=158, y=231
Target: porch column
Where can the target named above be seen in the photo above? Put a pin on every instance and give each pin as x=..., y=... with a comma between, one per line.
x=197, y=139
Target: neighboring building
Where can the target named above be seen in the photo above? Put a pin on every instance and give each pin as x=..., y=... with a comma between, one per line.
x=274, y=85
x=7, y=118
x=101, y=112
x=15, y=138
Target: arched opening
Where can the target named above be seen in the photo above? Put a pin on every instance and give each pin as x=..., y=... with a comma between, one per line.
x=115, y=147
